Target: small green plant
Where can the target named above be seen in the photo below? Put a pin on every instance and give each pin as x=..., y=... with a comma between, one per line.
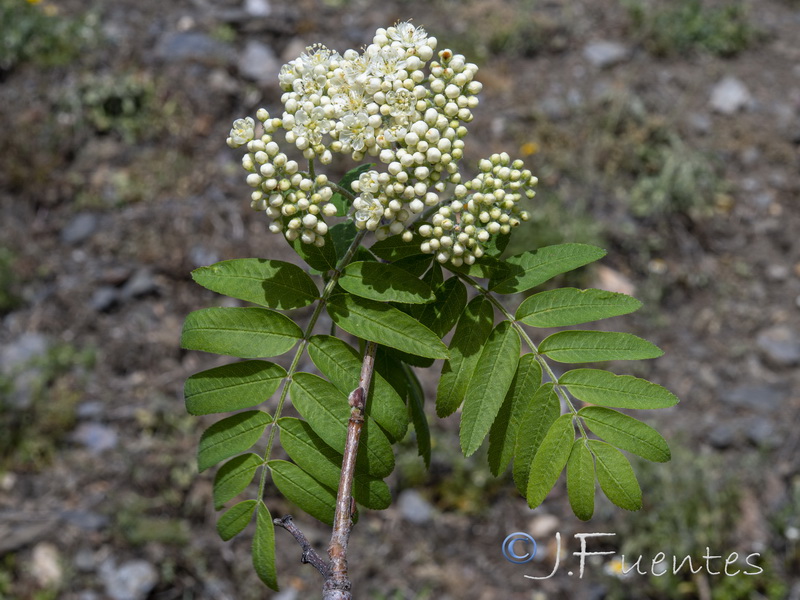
x=433, y=266
x=687, y=26
x=37, y=33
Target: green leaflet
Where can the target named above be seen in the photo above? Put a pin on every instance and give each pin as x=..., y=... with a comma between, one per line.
x=394, y=248
x=341, y=364
x=384, y=324
x=234, y=476
x=571, y=306
x=322, y=259
x=440, y=316
x=616, y=476
x=235, y=519
x=270, y=283
x=542, y=411
x=303, y=490
x=417, y=265
x=242, y=332
x=596, y=346
x=471, y=333
x=263, y=549
x=485, y=267
x=232, y=387
x=324, y=464
x=488, y=386
x=343, y=235
x=327, y=411
x=617, y=391
x=230, y=436
x=550, y=459
x=626, y=433
x=580, y=480
x=529, y=269
x=385, y=283
x=342, y=202
x=416, y=407
x=503, y=434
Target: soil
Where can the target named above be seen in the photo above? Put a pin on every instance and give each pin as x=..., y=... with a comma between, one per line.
x=106, y=207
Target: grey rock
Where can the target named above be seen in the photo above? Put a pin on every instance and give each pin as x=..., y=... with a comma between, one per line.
x=414, y=508
x=84, y=560
x=605, y=54
x=180, y=46
x=259, y=63
x=700, y=123
x=133, y=580
x=81, y=227
x=103, y=298
x=258, y=8
x=729, y=96
x=722, y=436
x=17, y=362
x=761, y=432
x=200, y=256
x=96, y=437
x=92, y=409
x=85, y=519
x=780, y=346
x=756, y=397
x=141, y=283
x=46, y=565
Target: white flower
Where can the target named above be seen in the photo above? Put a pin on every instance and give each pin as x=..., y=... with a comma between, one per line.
x=312, y=126
x=369, y=211
x=406, y=36
x=355, y=131
x=402, y=104
x=243, y=131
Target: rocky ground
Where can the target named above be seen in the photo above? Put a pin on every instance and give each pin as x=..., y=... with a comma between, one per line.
x=680, y=158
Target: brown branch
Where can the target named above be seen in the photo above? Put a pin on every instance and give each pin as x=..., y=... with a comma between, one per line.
x=309, y=555
x=337, y=586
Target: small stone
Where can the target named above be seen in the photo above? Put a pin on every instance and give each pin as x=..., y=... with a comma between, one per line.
x=259, y=63
x=780, y=346
x=605, y=54
x=26, y=348
x=103, y=298
x=258, y=8
x=730, y=96
x=414, y=508
x=761, y=432
x=722, y=436
x=84, y=560
x=760, y=398
x=700, y=123
x=96, y=437
x=200, y=256
x=543, y=526
x=46, y=565
x=81, y=227
x=179, y=46
x=132, y=580
x=85, y=519
x=613, y=281
x=778, y=272
x=141, y=284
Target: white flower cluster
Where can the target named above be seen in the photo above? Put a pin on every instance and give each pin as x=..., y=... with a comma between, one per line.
x=393, y=101
x=484, y=206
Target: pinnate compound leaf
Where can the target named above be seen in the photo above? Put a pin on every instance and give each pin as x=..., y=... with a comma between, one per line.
x=323, y=259
x=626, y=433
x=341, y=364
x=580, y=480
x=235, y=519
x=472, y=331
x=571, y=306
x=303, y=490
x=342, y=202
x=394, y=248
x=384, y=324
x=263, y=549
x=232, y=387
x=234, y=476
x=242, y=332
x=503, y=434
x=416, y=407
x=270, y=283
x=529, y=269
x=540, y=414
x=328, y=412
x=550, y=459
x=596, y=346
x=616, y=476
x=617, y=391
x=324, y=464
x=385, y=283
x=489, y=384
x=230, y=436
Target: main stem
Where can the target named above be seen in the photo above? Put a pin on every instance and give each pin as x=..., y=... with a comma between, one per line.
x=337, y=586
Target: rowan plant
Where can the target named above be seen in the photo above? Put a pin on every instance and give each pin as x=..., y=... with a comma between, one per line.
x=404, y=249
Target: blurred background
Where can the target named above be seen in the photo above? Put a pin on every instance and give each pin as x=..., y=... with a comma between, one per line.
x=666, y=132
